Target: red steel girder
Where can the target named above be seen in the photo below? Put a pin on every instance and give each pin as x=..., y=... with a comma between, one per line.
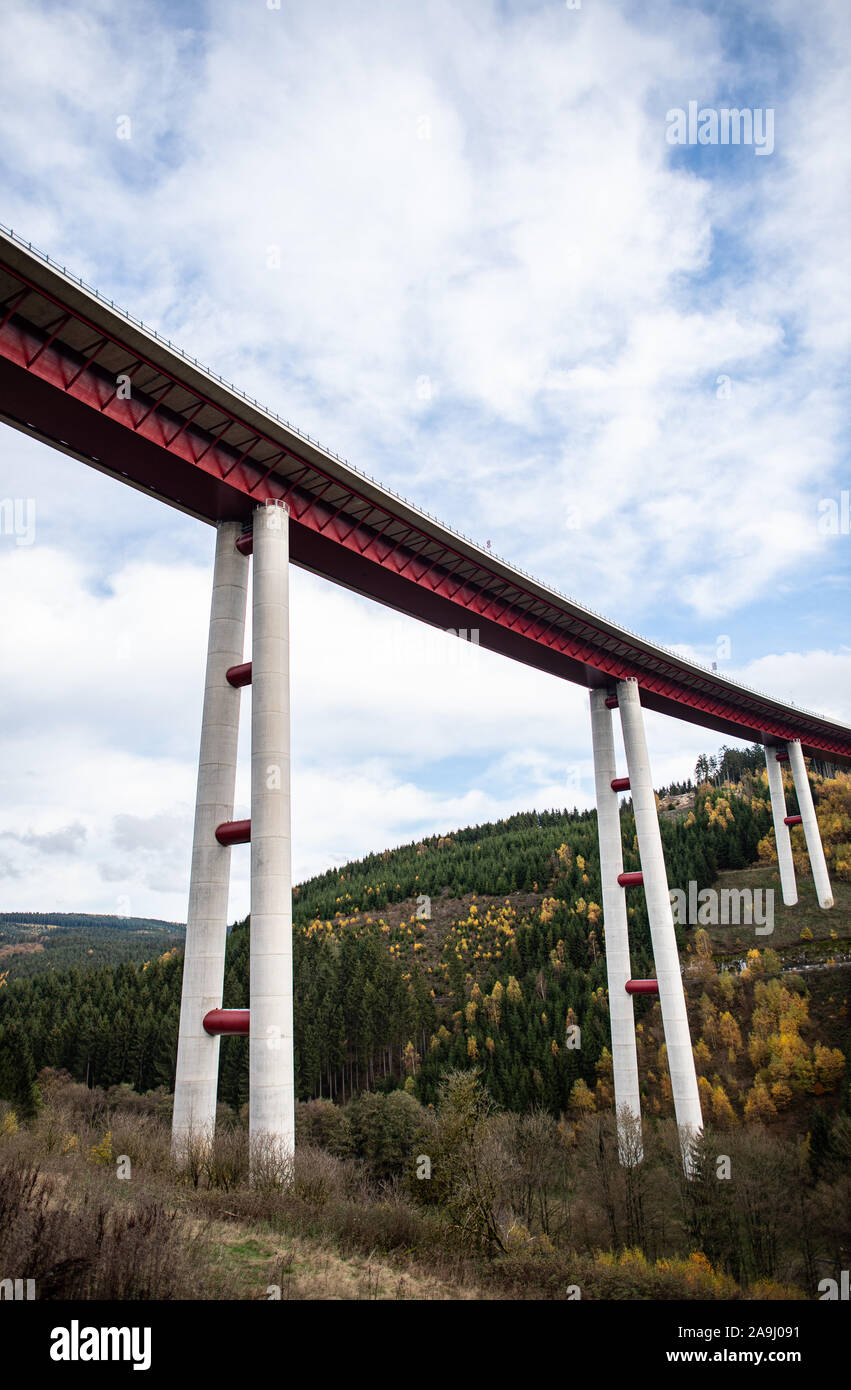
x=130, y=372
x=185, y=426
x=89, y=359
x=12, y=305
x=154, y=406
x=214, y=440
x=52, y=333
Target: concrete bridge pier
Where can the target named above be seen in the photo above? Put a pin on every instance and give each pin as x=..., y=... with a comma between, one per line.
x=655, y=881
x=269, y=1022
x=196, y=1080
x=785, y=862
x=271, y=1098
x=624, y=1055
x=815, y=848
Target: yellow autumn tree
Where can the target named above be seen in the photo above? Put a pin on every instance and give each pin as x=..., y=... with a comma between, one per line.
x=759, y=1107
x=723, y=1113
x=726, y=987
x=829, y=1065
x=513, y=992
x=730, y=1034
x=708, y=1019
x=102, y=1152
x=581, y=1100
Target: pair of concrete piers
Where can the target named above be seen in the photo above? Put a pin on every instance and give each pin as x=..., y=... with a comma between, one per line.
x=653, y=877
x=270, y=1022
x=775, y=756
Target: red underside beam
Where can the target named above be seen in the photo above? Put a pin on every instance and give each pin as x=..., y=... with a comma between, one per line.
x=631, y=880
x=234, y=832
x=611, y=702
x=227, y=1023
x=791, y=820
x=642, y=986
x=620, y=784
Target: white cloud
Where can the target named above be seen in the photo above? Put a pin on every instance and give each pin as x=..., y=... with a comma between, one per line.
x=480, y=195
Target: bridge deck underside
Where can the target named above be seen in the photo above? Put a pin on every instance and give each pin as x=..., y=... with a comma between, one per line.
x=126, y=406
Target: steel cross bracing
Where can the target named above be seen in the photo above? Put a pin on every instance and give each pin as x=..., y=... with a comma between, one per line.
x=82, y=387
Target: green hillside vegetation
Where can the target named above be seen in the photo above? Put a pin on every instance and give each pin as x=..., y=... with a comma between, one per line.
x=438, y=990
x=31, y=942
x=481, y=948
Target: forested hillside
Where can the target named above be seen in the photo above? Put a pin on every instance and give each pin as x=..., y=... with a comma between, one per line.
x=451, y=1002
x=484, y=947
x=31, y=942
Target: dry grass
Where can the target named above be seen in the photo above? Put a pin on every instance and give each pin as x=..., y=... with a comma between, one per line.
x=298, y=1267
x=329, y=1228
x=84, y=1244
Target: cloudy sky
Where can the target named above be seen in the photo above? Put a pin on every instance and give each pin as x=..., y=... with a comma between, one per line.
x=455, y=243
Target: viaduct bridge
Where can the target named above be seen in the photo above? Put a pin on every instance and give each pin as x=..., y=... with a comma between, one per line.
x=90, y=380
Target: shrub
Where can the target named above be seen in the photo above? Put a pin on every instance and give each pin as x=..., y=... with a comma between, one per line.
x=383, y=1131
x=224, y=1161
x=94, y=1247
x=324, y=1123
x=468, y=1162
x=317, y=1175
